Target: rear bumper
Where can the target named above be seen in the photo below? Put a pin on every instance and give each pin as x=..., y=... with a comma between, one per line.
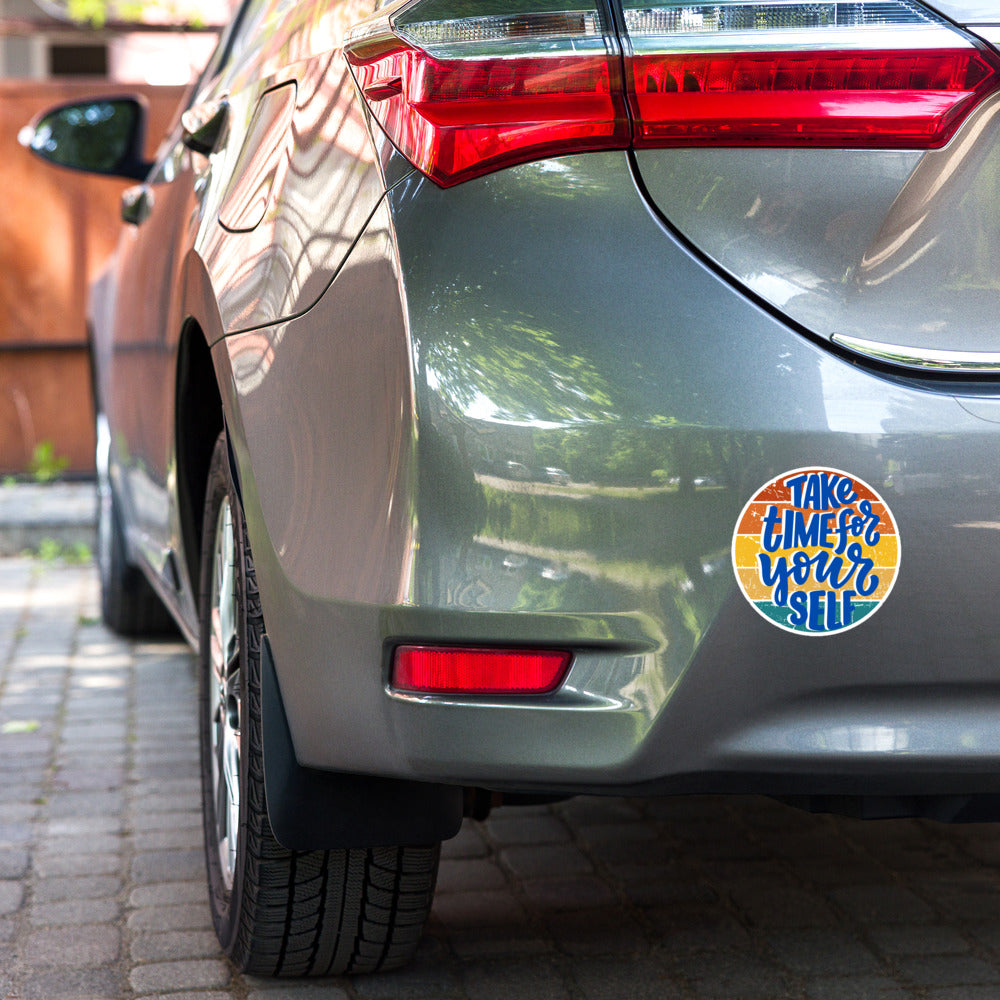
x=404, y=497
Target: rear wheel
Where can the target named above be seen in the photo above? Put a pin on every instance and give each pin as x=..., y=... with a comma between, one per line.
x=280, y=912
x=129, y=605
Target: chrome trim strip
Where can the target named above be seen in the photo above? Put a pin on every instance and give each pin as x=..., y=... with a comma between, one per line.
x=987, y=32
x=921, y=359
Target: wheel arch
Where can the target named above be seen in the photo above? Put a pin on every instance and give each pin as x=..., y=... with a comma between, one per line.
x=199, y=419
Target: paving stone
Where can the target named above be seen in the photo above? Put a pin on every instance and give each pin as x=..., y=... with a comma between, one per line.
x=173, y=788
x=176, y=820
x=50, y=864
x=735, y=977
x=73, y=984
x=589, y=810
x=191, y=995
x=637, y=980
x=918, y=939
x=168, y=893
x=477, y=909
x=188, y=838
x=705, y=898
x=663, y=888
x=979, y=903
x=413, y=983
x=77, y=911
x=580, y=892
x=537, y=979
x=88, y=946
x=57, y=889
x=884, y=904
x=963, y=993
x=508, y=827
x=622, y=835
x=174, y=945
x=511, y=943
x=13, y=862
x=17, y=813
x=171, y=918
x=15, y=833
x=469, y=875
x=83, y=826
x=545, y=861
x=87, y=804
x=604, y=931
x=696, y=927
x=11, y=896
x=780, y=906
x=469, y=843
x=947, y=970
x=857, y=988
x=173, y=976
x=168, y=866
x=823, y=951
x=320, y=990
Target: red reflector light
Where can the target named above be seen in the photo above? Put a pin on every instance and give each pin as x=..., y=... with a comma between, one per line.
x=449, y=670
x=874, y=99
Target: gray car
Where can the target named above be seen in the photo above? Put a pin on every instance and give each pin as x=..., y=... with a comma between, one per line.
x=512, y=400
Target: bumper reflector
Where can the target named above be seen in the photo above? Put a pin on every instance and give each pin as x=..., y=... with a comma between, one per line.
x=453, y=670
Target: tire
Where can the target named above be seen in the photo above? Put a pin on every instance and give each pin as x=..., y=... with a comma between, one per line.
x=278, y=912
x=129, y=605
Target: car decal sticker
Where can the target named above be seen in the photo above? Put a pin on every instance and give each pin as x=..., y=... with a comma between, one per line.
x=816, y=551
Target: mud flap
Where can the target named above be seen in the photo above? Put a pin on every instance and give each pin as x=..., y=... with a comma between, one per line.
x=311, y=809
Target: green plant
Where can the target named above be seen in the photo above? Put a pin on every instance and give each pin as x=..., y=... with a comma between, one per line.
x=17, y=727
x=51, y=549
x=45, y=465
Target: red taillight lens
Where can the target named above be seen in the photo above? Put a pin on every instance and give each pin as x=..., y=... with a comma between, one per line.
x=872, y=99
x=455, y=119
x=448, y=670
x=463, y=96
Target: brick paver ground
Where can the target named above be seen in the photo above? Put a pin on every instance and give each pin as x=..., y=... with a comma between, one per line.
x=102, y=897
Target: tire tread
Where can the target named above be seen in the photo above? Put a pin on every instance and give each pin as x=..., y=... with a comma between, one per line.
x=318, y=913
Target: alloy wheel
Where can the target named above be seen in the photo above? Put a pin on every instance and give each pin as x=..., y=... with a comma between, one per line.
x=224, y=714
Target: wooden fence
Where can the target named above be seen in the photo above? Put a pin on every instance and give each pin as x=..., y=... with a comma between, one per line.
x=57, y=228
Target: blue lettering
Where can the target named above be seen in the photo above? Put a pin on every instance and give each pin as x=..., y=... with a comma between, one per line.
x=816, y=610
x=795, y=485
x=769, y=537
x=845, y=491
x=805, y=530
x=799, y=603
x=846, y=607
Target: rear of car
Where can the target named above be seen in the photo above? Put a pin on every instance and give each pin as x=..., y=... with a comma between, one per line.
x=590, y=398
x=680, y=252
x=677, y=252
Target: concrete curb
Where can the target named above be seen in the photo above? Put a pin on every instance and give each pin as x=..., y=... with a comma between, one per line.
x=33, y=513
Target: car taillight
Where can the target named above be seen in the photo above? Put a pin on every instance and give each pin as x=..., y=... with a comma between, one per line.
x=461, y=96
x=453, y=670
x=877, y=74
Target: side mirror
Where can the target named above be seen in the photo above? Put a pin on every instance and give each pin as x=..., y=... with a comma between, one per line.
x=99, y=136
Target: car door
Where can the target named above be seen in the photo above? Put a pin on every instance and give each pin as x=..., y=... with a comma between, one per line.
x=161, y=218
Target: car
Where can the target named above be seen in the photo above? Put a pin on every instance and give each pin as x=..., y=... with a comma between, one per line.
x=649, y=247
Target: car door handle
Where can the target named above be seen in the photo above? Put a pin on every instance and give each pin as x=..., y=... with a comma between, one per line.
x=203, y=126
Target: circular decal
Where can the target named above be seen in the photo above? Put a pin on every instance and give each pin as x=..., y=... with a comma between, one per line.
x=816, y=551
